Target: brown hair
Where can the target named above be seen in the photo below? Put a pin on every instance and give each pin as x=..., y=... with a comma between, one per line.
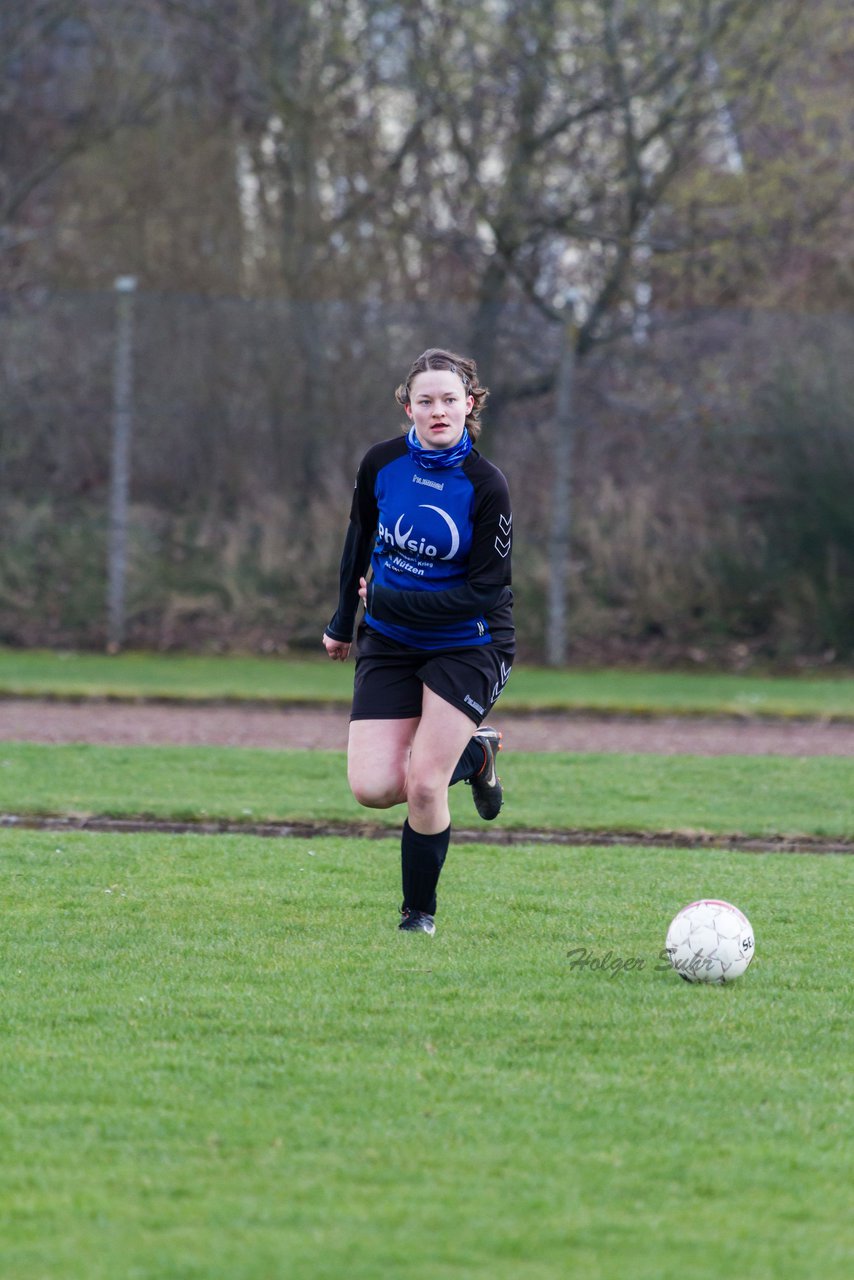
x=466, y=371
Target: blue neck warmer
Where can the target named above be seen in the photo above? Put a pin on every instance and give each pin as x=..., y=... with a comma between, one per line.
x=437, y=459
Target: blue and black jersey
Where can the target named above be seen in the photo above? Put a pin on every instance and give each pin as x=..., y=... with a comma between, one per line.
x=438, y=542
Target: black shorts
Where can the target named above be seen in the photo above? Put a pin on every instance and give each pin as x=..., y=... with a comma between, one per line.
x=390, y=677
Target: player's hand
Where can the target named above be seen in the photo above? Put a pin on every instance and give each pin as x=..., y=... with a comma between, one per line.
x=337, y=649
x=363, y=590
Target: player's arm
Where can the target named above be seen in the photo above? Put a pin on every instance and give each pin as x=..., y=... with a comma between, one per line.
x=456, y=604
x=356, y=555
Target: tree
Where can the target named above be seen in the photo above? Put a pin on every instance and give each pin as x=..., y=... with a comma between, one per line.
x=73, y=73
x=774, y=229
x=572, y=122
x=318, y=161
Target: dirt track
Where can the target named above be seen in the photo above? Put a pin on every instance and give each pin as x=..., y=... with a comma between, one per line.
x=245, y=726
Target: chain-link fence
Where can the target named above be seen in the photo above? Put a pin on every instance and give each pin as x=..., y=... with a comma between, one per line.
x=712, y=471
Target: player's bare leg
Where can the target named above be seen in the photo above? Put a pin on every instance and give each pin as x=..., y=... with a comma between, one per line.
x=378, y=760
x=442, y=734
x=440, y=739
x=390, y=761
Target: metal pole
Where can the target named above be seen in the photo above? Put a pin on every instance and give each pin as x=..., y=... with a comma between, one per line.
x=559, y=541
x=125, y=287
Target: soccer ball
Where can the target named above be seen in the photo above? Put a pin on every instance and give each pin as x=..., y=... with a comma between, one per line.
x=710, y=941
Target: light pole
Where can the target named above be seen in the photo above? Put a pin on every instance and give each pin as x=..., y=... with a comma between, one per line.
x=125, y=287
x=561, y=507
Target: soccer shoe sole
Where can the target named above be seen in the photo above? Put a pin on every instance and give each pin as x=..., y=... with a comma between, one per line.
x=486, y=789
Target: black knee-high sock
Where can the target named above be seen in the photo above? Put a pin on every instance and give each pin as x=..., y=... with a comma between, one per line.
x=421, y=860
x=470, y=762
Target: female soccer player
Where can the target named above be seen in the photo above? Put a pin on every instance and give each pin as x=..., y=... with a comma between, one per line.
x=431, y=517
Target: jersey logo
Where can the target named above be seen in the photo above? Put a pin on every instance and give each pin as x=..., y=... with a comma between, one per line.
x=454, y=531
x=502, y=545
x=403, y=540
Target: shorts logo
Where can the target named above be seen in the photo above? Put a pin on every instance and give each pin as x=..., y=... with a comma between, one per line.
x=502, y=544
x=499, y=684
x=471, y=702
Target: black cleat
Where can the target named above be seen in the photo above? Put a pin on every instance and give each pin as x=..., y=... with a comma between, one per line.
x=416, y=922
x=486, y=789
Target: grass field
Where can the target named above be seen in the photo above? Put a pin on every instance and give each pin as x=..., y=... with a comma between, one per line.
x=750, y=796
x=188, y=677
x=223, y=1061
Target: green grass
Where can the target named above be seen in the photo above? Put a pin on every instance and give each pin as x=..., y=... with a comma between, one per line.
x=723, y=795
x=190, y=677
x=224, y=1063
x=186, y=676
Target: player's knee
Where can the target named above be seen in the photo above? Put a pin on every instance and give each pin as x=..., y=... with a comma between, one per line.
x=375, y=792
x=424, y=792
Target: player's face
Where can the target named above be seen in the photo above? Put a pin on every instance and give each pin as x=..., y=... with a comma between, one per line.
x=438, y=408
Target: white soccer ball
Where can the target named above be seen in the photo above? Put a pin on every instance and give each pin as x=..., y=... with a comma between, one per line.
x=710, y=941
